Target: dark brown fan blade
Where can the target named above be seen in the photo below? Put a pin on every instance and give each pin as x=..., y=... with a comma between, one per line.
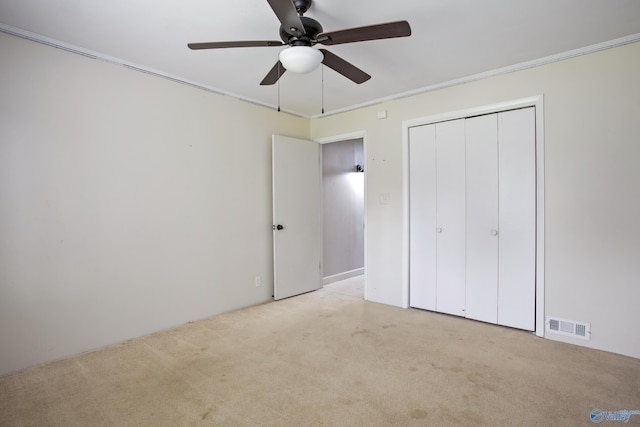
x=288, y=16
x=223, y=45
x=372, y=32
x=272, y=76
x=343, y=67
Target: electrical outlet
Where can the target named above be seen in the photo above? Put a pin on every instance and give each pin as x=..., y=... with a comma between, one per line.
x=258, y=281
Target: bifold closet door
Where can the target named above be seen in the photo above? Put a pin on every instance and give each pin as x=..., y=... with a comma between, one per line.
x=472, y=219
x=450, y=217
x=517, y=213
x=422, y=217
x=436, y=217
x=482, y=218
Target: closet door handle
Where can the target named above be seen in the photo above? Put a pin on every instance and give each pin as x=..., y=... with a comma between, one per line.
x=494, y=232
x=439, y=230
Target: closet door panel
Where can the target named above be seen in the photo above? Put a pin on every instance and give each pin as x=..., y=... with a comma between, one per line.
x=450, y=227
x=482, y=218
x=422, y=217
x=517, y=187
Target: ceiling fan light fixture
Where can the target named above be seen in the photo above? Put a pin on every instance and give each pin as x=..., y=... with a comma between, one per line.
x=301, y=59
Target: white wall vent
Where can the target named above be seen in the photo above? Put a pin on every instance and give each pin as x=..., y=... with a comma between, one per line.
x=569, y=328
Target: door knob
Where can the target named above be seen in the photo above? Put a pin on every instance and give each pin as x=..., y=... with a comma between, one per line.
x=494, y=232
x=439, y=230
x=278, y=227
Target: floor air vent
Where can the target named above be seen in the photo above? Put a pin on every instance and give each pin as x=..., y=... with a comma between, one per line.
x=569, y=328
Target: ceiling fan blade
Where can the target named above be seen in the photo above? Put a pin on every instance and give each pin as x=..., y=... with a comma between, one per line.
x=273, y=75
x=223, y=45
x=343, y=67
x=288, y=16
x=371, y=32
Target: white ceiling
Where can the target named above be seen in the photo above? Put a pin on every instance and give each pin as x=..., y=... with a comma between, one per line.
x=451, y=39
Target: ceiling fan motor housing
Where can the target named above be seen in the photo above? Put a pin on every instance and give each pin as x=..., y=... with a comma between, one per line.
x=311, y=27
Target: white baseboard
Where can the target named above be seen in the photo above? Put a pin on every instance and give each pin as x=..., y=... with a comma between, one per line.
x=342, y=276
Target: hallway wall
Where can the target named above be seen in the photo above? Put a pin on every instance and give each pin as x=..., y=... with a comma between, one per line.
x=343, y=207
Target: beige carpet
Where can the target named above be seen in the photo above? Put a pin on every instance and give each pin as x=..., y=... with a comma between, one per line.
x=326, y=358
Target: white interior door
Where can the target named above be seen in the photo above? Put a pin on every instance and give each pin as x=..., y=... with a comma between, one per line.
x=482, y=218
x=297, y=234
x=450, y=227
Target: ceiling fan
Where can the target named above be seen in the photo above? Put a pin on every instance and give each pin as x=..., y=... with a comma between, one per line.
x=301, y=33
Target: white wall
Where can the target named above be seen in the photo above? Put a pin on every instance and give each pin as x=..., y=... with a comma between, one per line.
x=128, y=203
x=592, y=192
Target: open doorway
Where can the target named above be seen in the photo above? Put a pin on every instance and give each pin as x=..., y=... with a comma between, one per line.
x=343, y=208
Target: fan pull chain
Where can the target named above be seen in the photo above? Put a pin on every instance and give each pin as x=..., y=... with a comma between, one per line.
x=278, y=86
x=322, y=91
